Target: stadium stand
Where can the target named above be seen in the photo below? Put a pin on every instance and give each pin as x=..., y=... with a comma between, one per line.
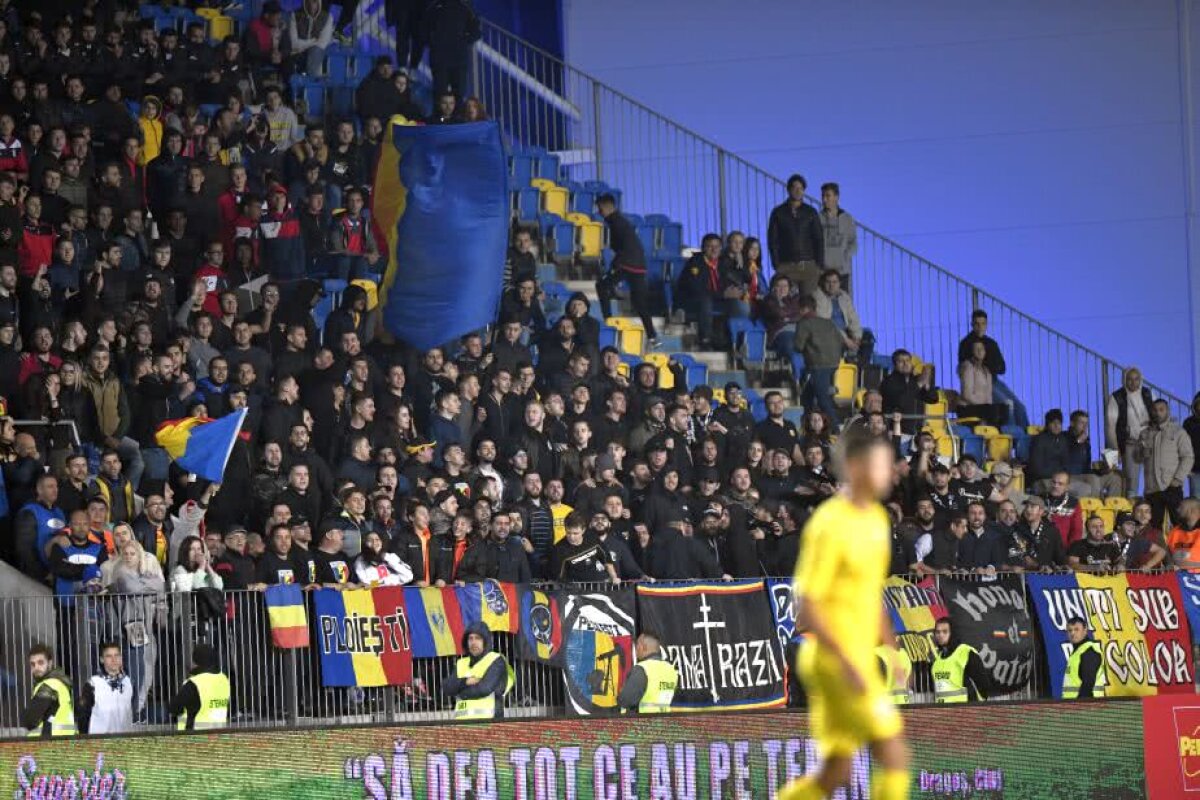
x=187, y=230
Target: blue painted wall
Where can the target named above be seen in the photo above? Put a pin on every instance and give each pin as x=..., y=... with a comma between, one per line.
x=1036, y=149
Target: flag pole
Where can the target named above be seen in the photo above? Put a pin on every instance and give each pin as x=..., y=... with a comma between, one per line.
x=233, y=440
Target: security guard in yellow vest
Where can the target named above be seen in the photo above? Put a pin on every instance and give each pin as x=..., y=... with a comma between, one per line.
x=897, y=669
x=651, y=684
x=958, y=672
x=481, y=678
x=51, y=709
x=1085, y=675
x=202, y=703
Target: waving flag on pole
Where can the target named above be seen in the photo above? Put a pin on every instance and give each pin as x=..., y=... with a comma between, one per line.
x=447, y=190
x=201, y=445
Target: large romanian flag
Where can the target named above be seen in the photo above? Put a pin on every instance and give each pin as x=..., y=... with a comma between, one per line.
x=285, y=611
x=201, y=445
x=443, y=204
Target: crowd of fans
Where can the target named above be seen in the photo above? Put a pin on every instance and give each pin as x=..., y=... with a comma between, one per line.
x=519, y=453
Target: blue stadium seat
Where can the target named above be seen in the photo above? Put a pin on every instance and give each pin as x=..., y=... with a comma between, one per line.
x=547, y=166
x=751, y=337
x=647, y=236
x=608, y=336
x=583, y=201
x=209, y=110
x=975, y=446
x=657, y=220
x=634, y=219
x=522, y=167
x=564, y=238
x=670, y=239
x=529, y=203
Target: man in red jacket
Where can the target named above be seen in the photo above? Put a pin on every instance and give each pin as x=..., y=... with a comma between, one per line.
x=1062, y=508
x=36, y=249
x=211, y=274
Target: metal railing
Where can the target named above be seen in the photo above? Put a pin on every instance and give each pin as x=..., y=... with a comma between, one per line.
x=660, y=166
x=272, y=687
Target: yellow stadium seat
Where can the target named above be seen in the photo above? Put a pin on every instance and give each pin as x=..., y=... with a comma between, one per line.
x=555, y=199
x=935, y=414
x=1090, y=504
x=986, y=431
x=845, y=380
x=666, y=380
x=1018, y=479
x=946, y=446
x=623, y=369
x=719, y=396
x=631, y=336
x=999, y=447
x=917, y=365
x=220, y=26
x=858, y=398
x=591, y=239
x=1108, y=515
x=371, y=288
x=1118, y=504
x=1033, y=430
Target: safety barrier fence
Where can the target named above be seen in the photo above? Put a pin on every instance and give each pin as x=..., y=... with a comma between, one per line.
x=273, y=687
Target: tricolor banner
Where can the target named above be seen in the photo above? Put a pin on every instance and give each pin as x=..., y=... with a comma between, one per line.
x=914, y=608
x=363, y=636
x=1139, y=621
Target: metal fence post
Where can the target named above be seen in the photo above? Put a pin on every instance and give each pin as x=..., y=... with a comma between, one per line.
x=722, y=210
x=1105, y=367
x=596, y=150
x=292, y=689
x=974, y=299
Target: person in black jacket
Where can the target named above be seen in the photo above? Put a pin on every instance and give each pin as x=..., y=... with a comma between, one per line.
x=628, y=264
x=451, y=28
x=992, y=358
x=907, y=393
x=512, y=564
x=796, y=239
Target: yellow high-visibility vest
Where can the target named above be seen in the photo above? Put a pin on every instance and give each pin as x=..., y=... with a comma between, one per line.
x=948, y=675
x=1071, y=681
x=63, y=721
x=480, y=707
x=213, y=688
x=661, y=682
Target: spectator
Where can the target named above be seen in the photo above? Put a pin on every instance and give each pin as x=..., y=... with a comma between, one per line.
x=375, y=566
x=351, y=240
x=106, y=701
x=1126, y=414
x=282, y=123
x=780, y=311
x=976, y=392
x=981, y=550
x=820, y=343
x=1137, y=553
x=1166, y=453
x=840, y=234
x=1183, y=543
x=906, y=393
x=834, y=304
x=451, y=28
x=796, y=240
x=1095, y=552
x=310, y=31
x=1191, y=426
x=992, y=358
x=1089, y=480
x=1063, y=509
x=628, y=265
x=194, y=568
x=481, y=678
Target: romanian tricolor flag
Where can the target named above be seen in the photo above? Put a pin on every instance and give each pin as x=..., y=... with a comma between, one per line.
x=363, y=637
x=436, y=621
x=442, y=201
x=541, y=634
x=914, y=608
x=285, y=610
x=200, y=445
x=1139, y=621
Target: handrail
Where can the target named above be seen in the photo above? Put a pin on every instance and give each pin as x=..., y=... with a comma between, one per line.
x=681, y=144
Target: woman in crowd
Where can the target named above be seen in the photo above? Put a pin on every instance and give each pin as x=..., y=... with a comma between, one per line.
x=194, y=569
x=375, y=566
